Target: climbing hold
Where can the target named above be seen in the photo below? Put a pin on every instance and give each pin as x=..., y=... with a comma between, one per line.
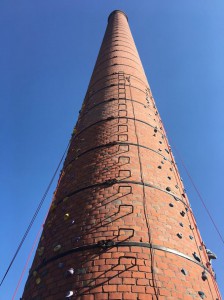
x=49, y=223
x=204, y=275
x=44, y=272
x=72, y=222
x=74, y=131
x=53, y=206
x=169, y=177
x=66, y=216
x=155, y=129
x=70, y=165
x=184, y=271
x=168, y=189
x=179, y=235
x=40, y=251
x=175, y=198
x=60, y=265
x=65, y=199
x=105, y=243
x=191, y=227
x=196, y=257
x=181, y=224
x=167, y=151
x=210, y=254
x=201, y=294
x=182, y=213
x=191, y=237
x=69, y=294
x=76, y=239
x=159, y=167
x=38, y=280
x=171, y=205
x=34, y=273
x=57, y=248
x=70, y=272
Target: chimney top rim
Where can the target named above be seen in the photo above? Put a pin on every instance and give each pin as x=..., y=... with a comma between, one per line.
x=117, y=11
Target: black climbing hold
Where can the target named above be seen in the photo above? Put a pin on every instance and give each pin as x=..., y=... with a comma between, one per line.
x=196, y=257
x=184, y=271
x=201, y=294
x=179, y=235
x=182, y=213
x=204, y=275
x=210, y=254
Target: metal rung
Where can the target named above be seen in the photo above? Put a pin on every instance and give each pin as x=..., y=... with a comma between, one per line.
x=126, y=173
x=124, y=101
x=122, y=106
x=123, y=128
x=132, y=258
x=126, y=205
x=129, y=187
x=124, y=148
x=132, y=232
x=122, y=113
x=122, y=138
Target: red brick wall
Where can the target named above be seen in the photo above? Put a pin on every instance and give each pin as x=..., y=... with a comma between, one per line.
x=120, y=213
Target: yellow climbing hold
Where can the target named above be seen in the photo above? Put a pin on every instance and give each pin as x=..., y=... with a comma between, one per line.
x=66, y=216
x=40, y=251
x=53, y=206
x=57, y=248
x=49, y=223
x=38, y=280
x=34, y=273
x=69, y=166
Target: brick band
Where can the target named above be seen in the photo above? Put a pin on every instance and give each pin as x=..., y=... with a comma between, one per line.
x=113, y=99
x=111, y=244
x=116, y=73
x=117, y=143
x=114, y=181
x=116, y=118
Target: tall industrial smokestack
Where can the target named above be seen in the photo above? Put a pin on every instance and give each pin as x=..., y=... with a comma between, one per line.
x=120, y=224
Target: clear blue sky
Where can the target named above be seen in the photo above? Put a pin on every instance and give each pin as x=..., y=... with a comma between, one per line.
x=47, y=54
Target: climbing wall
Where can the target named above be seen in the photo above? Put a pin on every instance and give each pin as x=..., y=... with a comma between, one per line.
x=120, y=225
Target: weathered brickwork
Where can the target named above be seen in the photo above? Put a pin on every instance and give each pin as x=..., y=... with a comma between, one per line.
x=120, y=225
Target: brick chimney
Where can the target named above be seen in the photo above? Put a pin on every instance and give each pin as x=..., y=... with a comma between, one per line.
x=120, y=225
